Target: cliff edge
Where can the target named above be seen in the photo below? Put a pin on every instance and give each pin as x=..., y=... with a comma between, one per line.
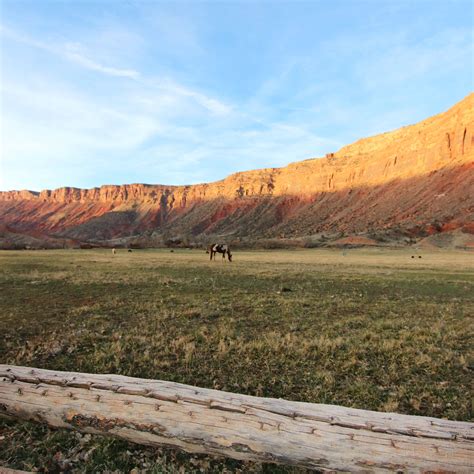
x=414, y=181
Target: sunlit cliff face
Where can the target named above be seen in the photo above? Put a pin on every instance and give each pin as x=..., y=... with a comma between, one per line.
x=418, y=176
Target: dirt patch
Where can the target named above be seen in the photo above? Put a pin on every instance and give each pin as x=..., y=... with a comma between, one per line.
x=456, y=239
x=354, y=241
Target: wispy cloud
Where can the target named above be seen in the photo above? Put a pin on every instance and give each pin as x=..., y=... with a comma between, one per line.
x=53, y=125
x=71, y=52
x=153, y=92
x=215, y=106
x=406, y=60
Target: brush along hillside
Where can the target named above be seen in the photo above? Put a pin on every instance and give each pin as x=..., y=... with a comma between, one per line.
x=372, y=329
x=406, y=184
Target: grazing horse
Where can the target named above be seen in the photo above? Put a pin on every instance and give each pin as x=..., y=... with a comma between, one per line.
x=224, y=249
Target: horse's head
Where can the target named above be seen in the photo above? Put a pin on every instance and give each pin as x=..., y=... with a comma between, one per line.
x=229, y=255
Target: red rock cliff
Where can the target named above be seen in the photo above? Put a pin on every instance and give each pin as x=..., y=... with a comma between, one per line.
x=413, y=154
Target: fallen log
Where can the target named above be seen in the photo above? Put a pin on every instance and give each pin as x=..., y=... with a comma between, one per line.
x=198, y=420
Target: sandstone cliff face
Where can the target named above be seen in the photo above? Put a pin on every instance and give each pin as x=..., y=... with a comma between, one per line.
x=415, y=177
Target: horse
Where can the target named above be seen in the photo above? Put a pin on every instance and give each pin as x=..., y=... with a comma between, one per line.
x=224, y=249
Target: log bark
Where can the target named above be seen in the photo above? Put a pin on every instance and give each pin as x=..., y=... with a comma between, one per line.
x=198, y=420
x=6, y=470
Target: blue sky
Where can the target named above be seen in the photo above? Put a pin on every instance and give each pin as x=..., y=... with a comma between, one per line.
x=114, y=92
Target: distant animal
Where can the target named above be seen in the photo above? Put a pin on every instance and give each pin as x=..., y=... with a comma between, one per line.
x=129, y=250
x=224, y=249
x=113, y=251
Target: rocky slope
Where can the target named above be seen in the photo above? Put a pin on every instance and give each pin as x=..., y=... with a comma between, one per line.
x=414, y=181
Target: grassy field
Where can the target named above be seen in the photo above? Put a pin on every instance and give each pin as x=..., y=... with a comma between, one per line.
x=368, y=329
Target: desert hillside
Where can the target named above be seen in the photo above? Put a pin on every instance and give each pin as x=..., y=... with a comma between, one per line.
x=398, y=186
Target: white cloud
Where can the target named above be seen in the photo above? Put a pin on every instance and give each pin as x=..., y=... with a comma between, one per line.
x=156, y=120
x=212, y=105
x=200, y=156
x=442, y=52
x=73, y=55
x=70, y=52
x=382, y=61
x=50, y=125
x=74, y=52
x=124, y=124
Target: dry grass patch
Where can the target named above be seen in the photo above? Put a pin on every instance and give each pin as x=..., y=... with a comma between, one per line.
x=363, y=328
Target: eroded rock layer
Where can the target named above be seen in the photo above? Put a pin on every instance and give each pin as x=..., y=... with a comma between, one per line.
x=419, y=179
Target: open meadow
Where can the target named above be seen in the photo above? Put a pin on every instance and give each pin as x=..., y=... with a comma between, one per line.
x=373, y=329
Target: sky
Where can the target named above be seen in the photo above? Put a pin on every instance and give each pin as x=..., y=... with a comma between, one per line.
x=126, y=91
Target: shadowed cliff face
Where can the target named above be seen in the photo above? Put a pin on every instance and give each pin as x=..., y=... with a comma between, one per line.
x=418, y=177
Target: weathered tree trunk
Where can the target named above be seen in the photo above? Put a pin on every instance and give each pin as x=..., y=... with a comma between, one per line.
x=199, y=420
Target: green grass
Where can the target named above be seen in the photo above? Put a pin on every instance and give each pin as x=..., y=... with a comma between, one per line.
x=368, y=329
